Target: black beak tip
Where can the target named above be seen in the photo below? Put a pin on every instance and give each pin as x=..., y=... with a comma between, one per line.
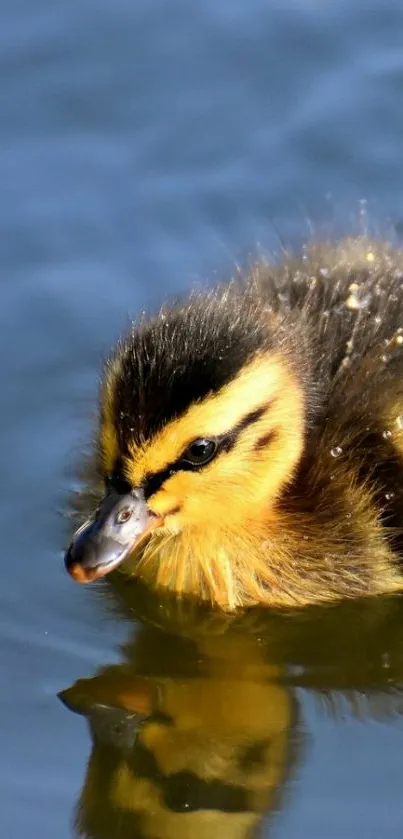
x=75, y=566
x=69, y=556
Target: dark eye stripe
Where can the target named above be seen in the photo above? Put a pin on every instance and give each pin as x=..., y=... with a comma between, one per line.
x=230, y=439
x=154, y=482
x=265, y=440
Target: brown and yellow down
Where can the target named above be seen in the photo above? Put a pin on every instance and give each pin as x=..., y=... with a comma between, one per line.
x=251, y=438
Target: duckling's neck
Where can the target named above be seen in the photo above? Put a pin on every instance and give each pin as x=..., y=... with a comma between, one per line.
x=292, y=558
x=221, y=567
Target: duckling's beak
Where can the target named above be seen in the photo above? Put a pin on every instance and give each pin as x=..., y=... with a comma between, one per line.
x=105, y=540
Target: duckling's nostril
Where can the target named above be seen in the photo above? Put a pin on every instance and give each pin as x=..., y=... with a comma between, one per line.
x=123, y=516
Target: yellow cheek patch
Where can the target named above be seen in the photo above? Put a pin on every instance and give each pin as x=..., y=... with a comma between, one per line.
x=265, y=379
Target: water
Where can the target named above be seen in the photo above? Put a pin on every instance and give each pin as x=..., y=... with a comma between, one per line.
x=145, y=147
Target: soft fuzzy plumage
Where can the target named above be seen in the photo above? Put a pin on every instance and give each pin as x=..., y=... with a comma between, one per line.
x=305, y=504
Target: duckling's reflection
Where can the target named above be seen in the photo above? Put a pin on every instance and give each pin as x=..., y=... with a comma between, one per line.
x=196, y=734
x=189, y=739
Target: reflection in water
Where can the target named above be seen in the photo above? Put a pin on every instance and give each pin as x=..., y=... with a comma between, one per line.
x=196, y=734
x=190, y=739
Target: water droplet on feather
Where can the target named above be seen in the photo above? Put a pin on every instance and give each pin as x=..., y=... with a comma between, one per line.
x=359, y=297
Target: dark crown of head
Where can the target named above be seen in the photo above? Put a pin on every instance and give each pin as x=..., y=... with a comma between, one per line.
x=182, y=356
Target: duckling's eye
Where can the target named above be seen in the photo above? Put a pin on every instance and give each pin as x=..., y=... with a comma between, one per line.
x=200, y=452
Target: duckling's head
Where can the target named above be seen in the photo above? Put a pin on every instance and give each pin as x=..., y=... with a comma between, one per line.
x=202, y=419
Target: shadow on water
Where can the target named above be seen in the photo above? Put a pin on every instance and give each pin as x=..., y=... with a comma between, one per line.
x=200, y=729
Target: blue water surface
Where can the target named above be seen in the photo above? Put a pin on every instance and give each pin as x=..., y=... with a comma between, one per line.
x=144, y=147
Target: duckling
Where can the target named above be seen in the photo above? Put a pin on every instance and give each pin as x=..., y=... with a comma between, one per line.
x=251, y=437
